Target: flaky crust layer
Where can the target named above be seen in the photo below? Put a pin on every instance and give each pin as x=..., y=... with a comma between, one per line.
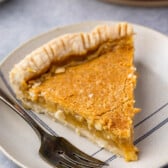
x=61, y=48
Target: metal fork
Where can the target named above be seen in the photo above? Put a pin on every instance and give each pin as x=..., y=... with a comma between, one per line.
x=56, y=150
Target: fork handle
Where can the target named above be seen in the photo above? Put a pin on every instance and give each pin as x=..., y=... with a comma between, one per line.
x=22, y=112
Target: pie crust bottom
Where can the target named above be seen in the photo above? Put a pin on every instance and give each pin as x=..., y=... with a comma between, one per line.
x=123, y=149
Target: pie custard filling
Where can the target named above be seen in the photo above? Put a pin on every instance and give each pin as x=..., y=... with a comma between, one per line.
x=92, y=93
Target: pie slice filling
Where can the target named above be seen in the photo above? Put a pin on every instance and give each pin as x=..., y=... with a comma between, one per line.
x=88, y=85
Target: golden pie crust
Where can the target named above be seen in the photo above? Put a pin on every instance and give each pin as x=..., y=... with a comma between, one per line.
x=86, y=81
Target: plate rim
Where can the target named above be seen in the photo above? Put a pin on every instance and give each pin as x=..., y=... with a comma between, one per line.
x=149, y=3
x=4, y=60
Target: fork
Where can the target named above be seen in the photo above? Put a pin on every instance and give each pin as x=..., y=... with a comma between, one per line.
x=56, y=150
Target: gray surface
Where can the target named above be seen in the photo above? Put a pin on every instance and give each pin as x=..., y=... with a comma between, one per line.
x=20, y=20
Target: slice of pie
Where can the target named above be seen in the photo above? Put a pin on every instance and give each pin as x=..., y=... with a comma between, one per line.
x=86, y=81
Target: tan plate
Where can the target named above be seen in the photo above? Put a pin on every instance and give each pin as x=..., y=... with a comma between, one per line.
x=19, y=142
x=144, y=3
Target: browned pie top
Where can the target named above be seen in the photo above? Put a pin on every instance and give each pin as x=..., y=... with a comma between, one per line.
x=61, y=48
x=100, y=90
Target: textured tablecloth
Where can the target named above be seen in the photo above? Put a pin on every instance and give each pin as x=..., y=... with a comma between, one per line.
x=20, y=20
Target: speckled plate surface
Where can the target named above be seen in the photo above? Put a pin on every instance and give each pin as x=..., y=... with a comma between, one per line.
x=20, y=143
x=144, y=3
